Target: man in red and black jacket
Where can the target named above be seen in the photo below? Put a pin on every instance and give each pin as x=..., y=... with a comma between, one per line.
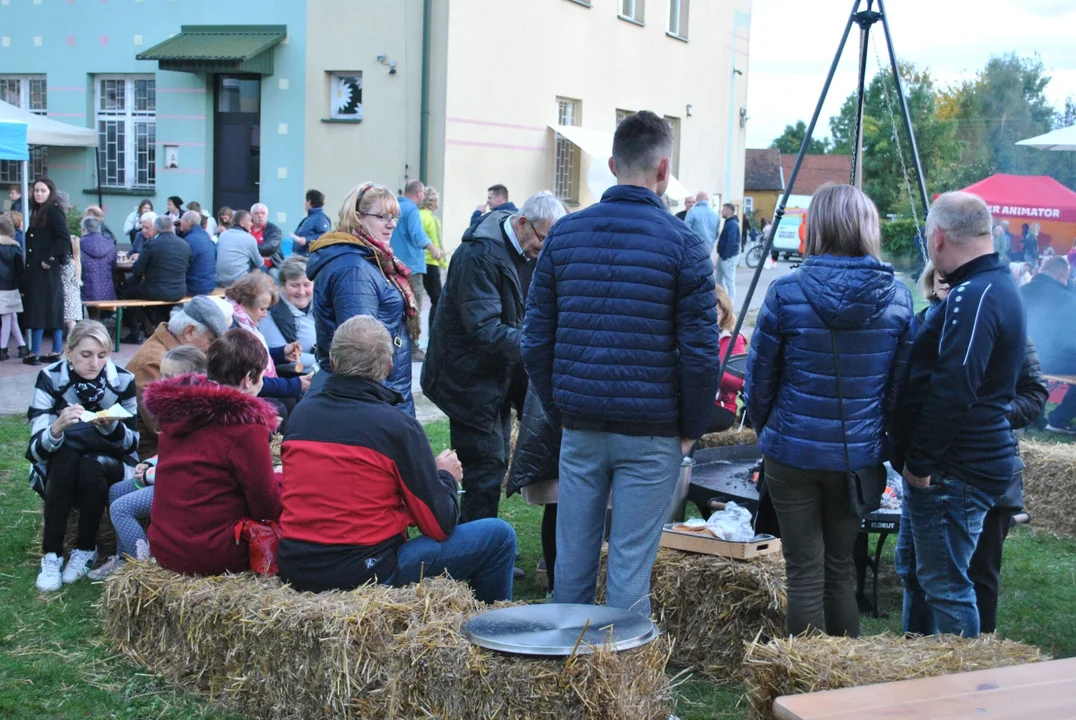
x=358, y=473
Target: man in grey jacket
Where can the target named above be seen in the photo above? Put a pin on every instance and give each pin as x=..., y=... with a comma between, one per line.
x=237, y=250
x=703, y=221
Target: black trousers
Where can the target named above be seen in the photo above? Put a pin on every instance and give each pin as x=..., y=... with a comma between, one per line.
x=431, y=283
x=985, y=568
x=549, y=540
x=484, y=456
x=77, y=480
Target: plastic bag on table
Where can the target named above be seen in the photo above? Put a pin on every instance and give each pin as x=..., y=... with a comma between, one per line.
x=732, y=524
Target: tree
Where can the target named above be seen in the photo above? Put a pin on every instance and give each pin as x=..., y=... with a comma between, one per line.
x=792, y=139
x=1006, y=102
x=884, y=178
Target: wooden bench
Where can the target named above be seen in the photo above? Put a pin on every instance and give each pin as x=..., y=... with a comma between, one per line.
x=1042, y=691
x=94, y=307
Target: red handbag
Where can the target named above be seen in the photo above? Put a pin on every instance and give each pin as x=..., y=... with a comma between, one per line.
x=262, y=539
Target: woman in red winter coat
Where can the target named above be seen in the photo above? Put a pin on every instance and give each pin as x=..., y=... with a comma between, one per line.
x=215, y=468
x=723, y=416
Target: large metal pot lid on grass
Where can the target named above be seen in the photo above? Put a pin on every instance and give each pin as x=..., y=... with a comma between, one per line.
x=556, y=629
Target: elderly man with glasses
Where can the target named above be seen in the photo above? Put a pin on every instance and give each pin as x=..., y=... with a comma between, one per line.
x=270, y=238
x=474, y=371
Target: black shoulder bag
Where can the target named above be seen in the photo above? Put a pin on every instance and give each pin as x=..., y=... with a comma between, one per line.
x=865, y=485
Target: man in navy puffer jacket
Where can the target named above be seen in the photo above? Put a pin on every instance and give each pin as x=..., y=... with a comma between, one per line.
x=621, y=344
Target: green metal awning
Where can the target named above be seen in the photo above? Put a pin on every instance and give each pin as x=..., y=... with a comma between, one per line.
x=219, y=49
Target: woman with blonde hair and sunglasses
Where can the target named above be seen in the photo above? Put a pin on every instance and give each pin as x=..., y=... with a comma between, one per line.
x=825, y=370
x=356, y=273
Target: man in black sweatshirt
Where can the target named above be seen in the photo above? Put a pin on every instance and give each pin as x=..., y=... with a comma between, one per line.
x=951, y=432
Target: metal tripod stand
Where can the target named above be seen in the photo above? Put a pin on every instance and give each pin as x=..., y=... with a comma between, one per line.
x=863, y=15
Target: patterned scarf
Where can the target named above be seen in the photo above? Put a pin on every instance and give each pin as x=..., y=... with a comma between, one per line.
x=91, y=393
x=394, y=271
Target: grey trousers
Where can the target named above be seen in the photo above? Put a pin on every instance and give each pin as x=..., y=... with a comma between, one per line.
x=643, y=472
x=818, y=534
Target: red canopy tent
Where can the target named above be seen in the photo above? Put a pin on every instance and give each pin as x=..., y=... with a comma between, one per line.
x=1032, y=199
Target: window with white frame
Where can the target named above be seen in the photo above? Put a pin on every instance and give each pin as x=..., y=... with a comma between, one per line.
x=126, y=111
x=566, y=154
x=674, y=125
x=749, y=204
x=678, y=18
x=632, y=10
x=621, y=114
x=29, y=92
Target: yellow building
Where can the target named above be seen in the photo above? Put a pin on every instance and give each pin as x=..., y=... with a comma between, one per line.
x=501, y=76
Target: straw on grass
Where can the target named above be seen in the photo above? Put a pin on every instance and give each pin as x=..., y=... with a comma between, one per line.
x=1050, y=486
x=266, y=651
x=818, y=662
x=711, y=605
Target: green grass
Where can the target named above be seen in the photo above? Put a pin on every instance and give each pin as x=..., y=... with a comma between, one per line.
x=54, y=662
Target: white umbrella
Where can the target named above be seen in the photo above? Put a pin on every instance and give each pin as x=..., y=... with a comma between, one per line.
x=1063, y=139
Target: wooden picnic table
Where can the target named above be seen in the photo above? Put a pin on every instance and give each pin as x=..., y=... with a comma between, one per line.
x=96, y=306
x=1042, y=691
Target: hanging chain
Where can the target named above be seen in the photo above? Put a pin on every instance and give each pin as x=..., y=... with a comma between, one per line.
x=900, y=150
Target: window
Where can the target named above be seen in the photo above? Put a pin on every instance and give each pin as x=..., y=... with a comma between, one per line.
x=674, y=125
x=566, y=154
x=29, y=92
x=748, y=205
x=126, y=111
x=621, y=114
x=345, y=96
x=632, y=10
x=678, y=18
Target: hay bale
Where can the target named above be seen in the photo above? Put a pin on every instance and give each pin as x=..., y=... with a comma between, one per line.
x=261, y=649
x=710, y=606
x=818, y=662
x=1050, y=486
x=746, y=436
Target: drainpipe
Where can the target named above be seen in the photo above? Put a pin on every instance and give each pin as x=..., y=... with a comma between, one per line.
x=424, y=128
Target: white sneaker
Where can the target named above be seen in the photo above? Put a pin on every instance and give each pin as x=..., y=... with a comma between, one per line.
x=141, y=550
x=78, y=565
x=48, y=580
x=1067, y=430
x=114, y=563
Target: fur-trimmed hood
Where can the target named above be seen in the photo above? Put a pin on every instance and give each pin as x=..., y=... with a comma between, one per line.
x=185, y=403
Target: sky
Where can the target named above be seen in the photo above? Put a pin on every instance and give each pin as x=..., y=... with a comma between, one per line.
x=793, y=43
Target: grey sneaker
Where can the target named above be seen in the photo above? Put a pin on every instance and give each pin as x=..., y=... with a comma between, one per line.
x=114, y=563
x=49, y=579
x=78, y=565
x=1067, y=430
x=141, y=550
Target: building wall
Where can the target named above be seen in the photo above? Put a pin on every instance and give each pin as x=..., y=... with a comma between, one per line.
x=71, y=42
x=765, y=202
x=384, y=147
x=509, y=60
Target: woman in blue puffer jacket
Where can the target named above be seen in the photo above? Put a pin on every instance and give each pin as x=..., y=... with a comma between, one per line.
x=355, y=273
x=791, y=391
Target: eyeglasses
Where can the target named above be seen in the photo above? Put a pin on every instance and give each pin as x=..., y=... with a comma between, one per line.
x=534, y=229
x=387, y=219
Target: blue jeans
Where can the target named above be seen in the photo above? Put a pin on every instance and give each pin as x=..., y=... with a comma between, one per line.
x=642, y=473
x=38, y=335
x=481, y=552
x=939, y=528
x=726, y=274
